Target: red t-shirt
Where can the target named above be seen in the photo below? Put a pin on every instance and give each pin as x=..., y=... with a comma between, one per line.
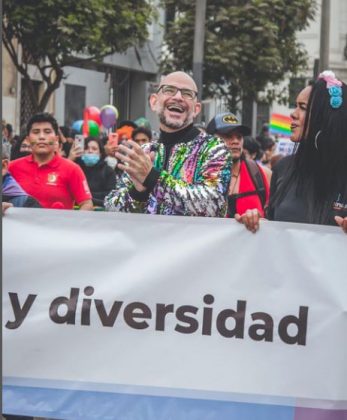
x=246, y=185
x=247, y=197
x=58, y=181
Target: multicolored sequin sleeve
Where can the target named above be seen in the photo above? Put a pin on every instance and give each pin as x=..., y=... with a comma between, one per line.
x=120, y=199
x=194, y=183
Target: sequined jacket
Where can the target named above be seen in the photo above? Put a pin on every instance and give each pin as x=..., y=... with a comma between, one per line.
x=194, y=182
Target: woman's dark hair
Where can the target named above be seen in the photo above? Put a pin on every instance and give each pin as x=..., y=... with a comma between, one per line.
x=268, y=144
x=319, y=167
x=9, y=128
x=100, y=144
x=103, y=138
x=66, y=131
x=66, y=148
x=15, y=150
x=126, y=122
x=250, y=144
x=143, y=130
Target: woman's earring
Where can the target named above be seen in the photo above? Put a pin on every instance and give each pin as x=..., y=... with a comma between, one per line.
x=315, y=139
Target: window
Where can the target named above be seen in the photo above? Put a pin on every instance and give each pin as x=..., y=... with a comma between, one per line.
x=75, y=102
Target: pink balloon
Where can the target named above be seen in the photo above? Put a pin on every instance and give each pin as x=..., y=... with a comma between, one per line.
x=94, y=114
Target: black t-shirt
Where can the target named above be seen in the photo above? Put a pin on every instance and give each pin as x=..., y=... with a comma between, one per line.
x=101, y=179
x=293, y=207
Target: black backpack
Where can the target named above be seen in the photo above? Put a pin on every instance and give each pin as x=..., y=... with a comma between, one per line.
x=258, y=181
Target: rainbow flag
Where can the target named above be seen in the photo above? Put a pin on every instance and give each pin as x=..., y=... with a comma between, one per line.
x=280, y=124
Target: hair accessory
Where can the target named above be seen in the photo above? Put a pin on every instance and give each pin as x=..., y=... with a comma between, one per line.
x=334, y=88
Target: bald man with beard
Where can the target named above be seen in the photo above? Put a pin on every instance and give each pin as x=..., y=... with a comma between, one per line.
x=186, y=173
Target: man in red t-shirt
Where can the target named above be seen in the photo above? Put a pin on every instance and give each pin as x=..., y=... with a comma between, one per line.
x=55, y=182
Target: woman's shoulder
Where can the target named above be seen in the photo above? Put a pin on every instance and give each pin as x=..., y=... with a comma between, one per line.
x=283, y=164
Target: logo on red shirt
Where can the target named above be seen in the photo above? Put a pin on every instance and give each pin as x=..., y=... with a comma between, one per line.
x=52, y=178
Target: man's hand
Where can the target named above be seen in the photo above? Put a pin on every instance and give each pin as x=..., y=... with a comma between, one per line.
x=135, y=162
x=5, y=206
x=342, y=221
x=86, y=205
x=250, y=219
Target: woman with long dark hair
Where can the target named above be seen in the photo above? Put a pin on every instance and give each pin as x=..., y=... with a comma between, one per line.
x=311, y=185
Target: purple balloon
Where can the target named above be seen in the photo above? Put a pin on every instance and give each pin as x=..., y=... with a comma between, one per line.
x=108, y=117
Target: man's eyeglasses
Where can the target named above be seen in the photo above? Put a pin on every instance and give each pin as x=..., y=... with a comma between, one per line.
x=169, y=90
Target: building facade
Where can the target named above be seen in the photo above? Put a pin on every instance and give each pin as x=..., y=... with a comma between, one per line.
x=123, y=80
x=255, y=114
x=310, y=38
x=126, y=80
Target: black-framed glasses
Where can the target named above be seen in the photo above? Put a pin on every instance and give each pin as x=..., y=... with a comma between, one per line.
x=169, y=90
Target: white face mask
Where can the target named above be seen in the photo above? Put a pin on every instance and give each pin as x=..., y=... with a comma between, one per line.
x=90, y=159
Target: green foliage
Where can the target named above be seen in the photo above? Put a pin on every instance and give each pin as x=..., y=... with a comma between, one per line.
x=55, y=33
x=248, y=43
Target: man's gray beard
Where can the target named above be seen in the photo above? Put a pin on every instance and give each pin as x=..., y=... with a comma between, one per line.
x=174, y=126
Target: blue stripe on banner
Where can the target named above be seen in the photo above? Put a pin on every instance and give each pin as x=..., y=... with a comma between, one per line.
x=88, y=405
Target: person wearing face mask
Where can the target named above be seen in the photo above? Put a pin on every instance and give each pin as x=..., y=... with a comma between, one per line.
x=100, y=176
x=186, y=173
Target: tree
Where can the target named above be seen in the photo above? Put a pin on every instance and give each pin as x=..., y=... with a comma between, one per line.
x=58, y=33
x=249, y=44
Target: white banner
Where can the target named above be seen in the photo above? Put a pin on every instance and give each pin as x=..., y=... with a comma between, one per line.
x=105, y=314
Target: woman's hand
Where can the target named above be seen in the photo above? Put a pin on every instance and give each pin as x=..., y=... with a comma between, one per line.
x=342, y=221
x=250, y=219
x=75, y=152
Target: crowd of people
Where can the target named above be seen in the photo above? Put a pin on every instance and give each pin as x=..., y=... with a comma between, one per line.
x=217, y=172
x=220, y=171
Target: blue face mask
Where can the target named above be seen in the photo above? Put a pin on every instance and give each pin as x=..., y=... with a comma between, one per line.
x=90, y=159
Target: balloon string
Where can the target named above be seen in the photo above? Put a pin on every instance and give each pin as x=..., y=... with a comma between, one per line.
x=85, y=123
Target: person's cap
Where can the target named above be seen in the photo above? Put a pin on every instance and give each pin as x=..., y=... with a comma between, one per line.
x=225, y=123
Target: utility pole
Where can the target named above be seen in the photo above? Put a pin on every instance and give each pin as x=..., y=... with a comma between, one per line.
x=199, y=40
x=324, y=36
